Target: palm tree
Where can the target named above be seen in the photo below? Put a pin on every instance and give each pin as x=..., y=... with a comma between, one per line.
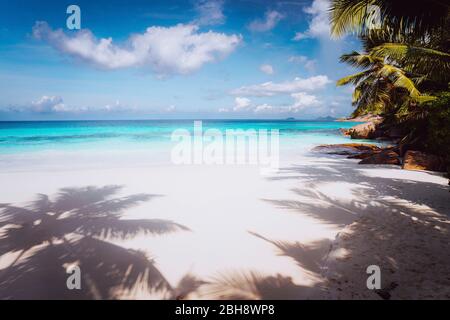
x=431, y=64
x=381, y=86
x=415, y=38
x=75, y=228
x=409, y=53
x=400, y=16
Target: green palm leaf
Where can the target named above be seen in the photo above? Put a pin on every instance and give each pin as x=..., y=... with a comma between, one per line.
x=354, y=78
x=419, y=60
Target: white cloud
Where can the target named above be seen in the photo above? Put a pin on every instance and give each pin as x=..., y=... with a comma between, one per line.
x=271, y=88
x=180, y=49
x=266, y=68
x=300, y=36
x=298, y=59
x=210, y=12
x=309, y=64
x=117, y=106
x=269, y=22
x=335, y=104
x=47, y=104
x=241, y=103
x=319, y=26
x=170, y=108
x=262, y=108
x=303, y=100
x=55, y=104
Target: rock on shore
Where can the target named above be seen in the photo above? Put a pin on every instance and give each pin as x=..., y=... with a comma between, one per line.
x=372, y=154
x=416, y=160
x=347, y=149
x=386, y=156
x=367, y=130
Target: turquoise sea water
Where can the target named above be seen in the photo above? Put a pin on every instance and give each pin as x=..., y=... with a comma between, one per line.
x=19, y=137
x=74, y=145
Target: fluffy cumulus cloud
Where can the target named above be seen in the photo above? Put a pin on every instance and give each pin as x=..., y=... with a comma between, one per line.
x=303, y=100
x=300, y=101
x=319, y=26
x=180, y=49
x=263, y=108
x=272, y=88
x=210, y=12
x=267, y=69
x=241, y=103
x=269, y=22
x=48, y=104
x=55, y=105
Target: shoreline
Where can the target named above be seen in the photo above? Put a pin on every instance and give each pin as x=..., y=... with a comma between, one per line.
x=404, y=241
x=268, y=232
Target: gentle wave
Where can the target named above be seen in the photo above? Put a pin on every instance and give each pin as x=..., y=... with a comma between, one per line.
x=23, y=136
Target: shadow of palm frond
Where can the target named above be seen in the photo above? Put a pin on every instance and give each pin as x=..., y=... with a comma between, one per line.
x=329, y=170
x=188, y=285
x=73, y=228
x=405, y=241
x=319, y=206
x=308, y=256
x=255, y=286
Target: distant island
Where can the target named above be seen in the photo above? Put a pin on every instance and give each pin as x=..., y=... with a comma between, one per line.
x=329, y=118
x=316, y=119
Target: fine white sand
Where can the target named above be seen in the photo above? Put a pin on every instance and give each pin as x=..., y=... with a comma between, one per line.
x=252, y=235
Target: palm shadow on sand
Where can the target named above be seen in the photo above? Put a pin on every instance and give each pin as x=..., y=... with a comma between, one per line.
x=49, y=235
x=381, y=198
x=327, y=170
x=252, y=285
x=382, y=218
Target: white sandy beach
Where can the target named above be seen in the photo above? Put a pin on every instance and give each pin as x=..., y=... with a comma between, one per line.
x=250, y=235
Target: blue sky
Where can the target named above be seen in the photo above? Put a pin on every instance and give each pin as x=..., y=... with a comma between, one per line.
x=141, y=59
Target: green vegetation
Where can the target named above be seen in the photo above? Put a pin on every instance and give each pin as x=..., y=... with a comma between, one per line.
x=405, y=67
x=437, y=132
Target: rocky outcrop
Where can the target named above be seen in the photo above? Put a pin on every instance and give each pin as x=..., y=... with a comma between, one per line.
x=344, y=131
x=416, y=160
x=385, y=156
x=366, y=130
x=368, y=153
x=372, y=154
x=364, y=118
x=347, y=149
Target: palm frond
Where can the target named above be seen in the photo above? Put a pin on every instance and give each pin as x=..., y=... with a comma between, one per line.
x=399, y=79
x=420, y=60
x=399, y=17
x=349, y=17
x=360, y=60
x=353, y=79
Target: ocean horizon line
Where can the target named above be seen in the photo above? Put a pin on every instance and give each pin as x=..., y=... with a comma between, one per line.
x=175, y=119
